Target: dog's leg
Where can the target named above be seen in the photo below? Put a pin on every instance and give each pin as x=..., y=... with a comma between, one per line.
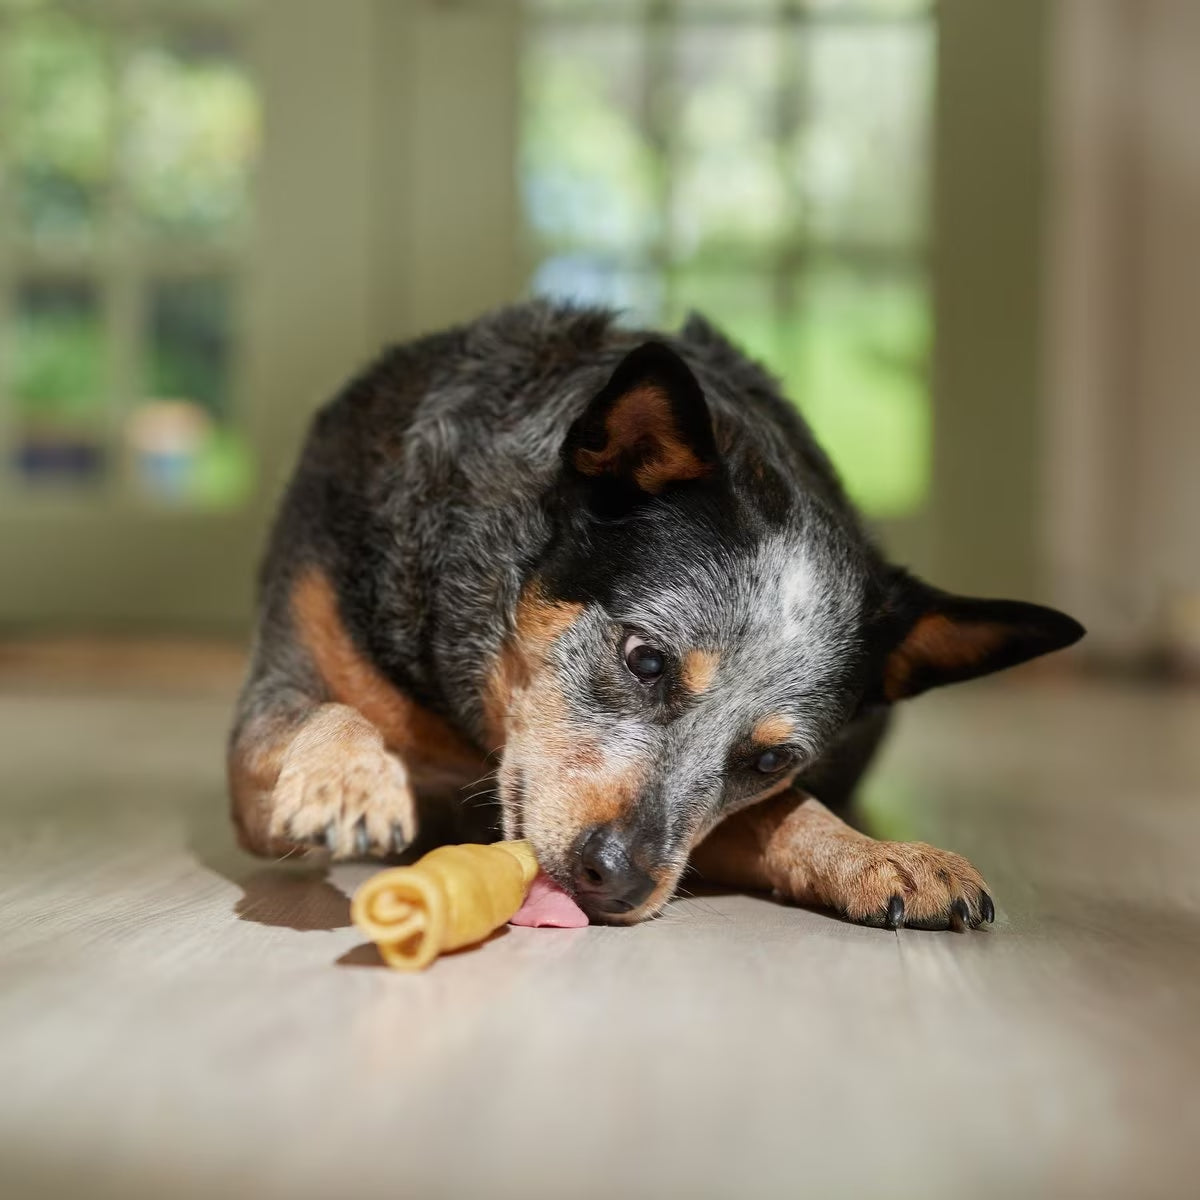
x=325, y=750
x=793, y=845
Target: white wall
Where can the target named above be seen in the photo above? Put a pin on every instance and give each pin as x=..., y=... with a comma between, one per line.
x=1123, y=474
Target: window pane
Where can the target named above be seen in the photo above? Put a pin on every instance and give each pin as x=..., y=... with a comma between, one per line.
x=58, y=381
x=727, y=188
x=587, y=173
x=786, y=202
x=60, y=125
x=742, y=306
x=861, y=160
x=857, y=356
x=192, y=133
x=190, y=341
x=181, y=446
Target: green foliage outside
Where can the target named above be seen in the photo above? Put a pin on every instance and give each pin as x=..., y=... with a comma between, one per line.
x=703, y=224
x=190, y=342
x=59, y=368
x=192, y=130
x=851, y=352
x=177, y=128
x=172, y=128
x=614, y=219
x=60, y=123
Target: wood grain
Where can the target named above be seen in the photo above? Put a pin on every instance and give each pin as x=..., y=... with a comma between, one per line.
x=179, y=1019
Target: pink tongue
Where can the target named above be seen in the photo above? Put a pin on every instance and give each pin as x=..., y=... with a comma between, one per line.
x=548, y=904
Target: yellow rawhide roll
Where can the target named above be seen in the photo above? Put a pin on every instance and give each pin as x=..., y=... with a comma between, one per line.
x=452, y=897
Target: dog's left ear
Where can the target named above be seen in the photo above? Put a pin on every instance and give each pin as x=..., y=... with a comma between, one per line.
x=647, y=429
x=936, y=638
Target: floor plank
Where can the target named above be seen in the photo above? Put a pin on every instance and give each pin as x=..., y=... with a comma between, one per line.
x=179, y=1019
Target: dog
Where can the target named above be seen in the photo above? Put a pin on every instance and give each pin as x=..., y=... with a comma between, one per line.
x=543, y=576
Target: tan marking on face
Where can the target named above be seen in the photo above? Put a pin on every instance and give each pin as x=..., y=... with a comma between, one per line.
x=937, y=641
x=736, y=842
x=600, y=797
x=434, y=751
x=568, y=783
x=539, y=624
x=641, y=423
x=699, y=668
x=772, y=730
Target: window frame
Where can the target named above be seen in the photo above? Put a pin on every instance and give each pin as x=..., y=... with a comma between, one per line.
x=366, y=232
x=99, y=553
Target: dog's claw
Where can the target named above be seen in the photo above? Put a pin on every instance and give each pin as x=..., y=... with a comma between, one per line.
x=987, y=909
x=895, y=912
x=399, y=839
x=331, y=836
x=960, y=915
x=362, y=840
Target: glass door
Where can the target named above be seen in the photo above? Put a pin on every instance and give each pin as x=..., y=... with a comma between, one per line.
x=129, y=135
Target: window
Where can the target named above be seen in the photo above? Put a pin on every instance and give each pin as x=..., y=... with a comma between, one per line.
x=766, y=163
x=128, y=136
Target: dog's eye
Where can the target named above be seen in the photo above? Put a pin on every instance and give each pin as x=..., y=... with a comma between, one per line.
x=645, y=661
x=770, y=761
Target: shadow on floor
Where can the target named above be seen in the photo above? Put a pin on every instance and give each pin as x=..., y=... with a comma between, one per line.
x=367, y=955
x=298, y=894
x=286, y=894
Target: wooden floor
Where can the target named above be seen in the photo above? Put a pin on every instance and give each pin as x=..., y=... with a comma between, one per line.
x=179, y=1020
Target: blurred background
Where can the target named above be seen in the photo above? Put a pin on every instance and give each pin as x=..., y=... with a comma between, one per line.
x=965, y=235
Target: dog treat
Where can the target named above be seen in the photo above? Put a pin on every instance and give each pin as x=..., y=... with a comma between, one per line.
x=452, y=897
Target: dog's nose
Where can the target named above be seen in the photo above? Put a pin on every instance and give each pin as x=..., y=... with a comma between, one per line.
x=607, y=880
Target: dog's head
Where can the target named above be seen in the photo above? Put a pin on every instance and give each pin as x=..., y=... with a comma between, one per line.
x=696, y=636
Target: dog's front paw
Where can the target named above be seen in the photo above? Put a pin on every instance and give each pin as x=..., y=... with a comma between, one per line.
x=349, y=795
x=907, y=883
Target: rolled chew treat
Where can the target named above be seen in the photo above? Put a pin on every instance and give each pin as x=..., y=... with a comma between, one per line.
x=452, y=897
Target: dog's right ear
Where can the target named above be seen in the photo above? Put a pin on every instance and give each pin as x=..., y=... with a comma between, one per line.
x=935, y=638
x=646, y=431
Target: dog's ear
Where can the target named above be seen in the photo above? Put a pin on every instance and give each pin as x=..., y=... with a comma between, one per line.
x=647, y=430
x=933, y=637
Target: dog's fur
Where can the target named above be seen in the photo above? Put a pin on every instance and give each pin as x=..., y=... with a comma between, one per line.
x=487, y=532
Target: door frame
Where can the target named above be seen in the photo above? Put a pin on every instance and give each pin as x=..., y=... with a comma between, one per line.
x=990, y=175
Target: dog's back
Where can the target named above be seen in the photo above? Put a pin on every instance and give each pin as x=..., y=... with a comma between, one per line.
x=422, y=485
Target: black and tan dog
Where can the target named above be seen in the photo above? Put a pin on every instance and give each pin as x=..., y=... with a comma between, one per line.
x=614, y=583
